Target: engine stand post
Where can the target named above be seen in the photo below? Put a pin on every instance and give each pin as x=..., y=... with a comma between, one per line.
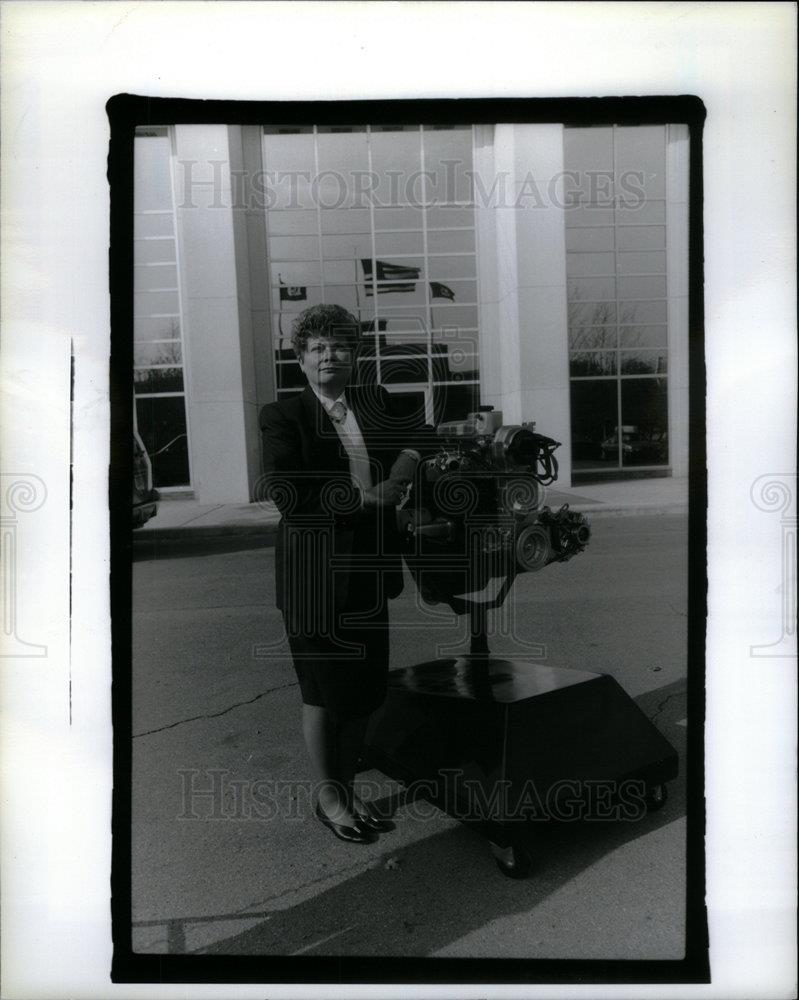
x=478, y=625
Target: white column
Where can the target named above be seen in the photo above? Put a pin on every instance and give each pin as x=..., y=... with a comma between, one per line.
x=523, y=323
x=677, y=162
x=210, y=306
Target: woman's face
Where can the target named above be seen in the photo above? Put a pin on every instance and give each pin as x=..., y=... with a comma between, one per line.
x=327, y=364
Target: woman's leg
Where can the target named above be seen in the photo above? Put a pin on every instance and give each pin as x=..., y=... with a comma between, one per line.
x=351, y=737
x=323, y=742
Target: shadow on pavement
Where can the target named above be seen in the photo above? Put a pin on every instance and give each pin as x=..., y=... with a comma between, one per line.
x=445, y=886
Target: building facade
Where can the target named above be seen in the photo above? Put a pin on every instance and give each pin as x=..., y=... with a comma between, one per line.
x=537, y=268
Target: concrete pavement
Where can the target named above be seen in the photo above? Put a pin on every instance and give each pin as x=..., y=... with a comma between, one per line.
x=183, y=519
x=216, y=711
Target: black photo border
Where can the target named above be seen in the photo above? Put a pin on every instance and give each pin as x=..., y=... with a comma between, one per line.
x=125, y=112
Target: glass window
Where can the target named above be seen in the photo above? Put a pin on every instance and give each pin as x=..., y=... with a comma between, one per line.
x=455, y=402
x=150, y=279
x=594, y=418
x=165, y=352
x=152, y=224
x=583, y=364
x=595, y=238
x=153, y=251
x=644, y=410
x=588, y=264
x=367, y=242
x=158, y=384
x=642, y=238
x=157, y=380
x=448, y=159
x=644, y=336
x=161, y=423
x=618, y=344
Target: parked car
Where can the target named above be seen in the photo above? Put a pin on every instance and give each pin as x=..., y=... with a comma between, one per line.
x=145, y=498
x=636, y=450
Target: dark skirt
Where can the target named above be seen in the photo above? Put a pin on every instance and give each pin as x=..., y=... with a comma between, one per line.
x=344, y=667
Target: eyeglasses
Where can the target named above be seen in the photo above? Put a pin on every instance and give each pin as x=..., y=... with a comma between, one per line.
x=337, y=347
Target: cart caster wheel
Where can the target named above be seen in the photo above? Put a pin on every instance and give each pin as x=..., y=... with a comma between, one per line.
x=514, y=861
x=656, y=798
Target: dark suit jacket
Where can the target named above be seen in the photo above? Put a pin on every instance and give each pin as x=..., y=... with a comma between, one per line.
x=324, y=536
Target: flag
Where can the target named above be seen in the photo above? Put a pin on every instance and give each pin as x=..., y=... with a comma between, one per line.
x=402, y=278
x=293, y=293
x=369, y=326
x=439, y=291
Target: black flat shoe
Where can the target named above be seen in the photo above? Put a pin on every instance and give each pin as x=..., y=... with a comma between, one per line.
x=371, y=821
x=349, y=834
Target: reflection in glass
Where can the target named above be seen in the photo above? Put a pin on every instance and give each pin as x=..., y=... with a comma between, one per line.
x=643, y=336
x=642, y=213
x=641, y=150
x=587, y=215
x=642, y=238
x=156, y=328
x=454, y=402
x=447, y=268
x=148, y=279
x=451, y=241
x=408, y=369
x=642, y=263
x=448, y=156
x=344, y=220
x=404, y=217
x=591, y=338
x=293, y=247
x=590, y=239
x=594, y=417
x=397, y=163
x=296, y=272
x=157, y=380
x=155, y=303
x=644, y=408
x=591, y=289
x=643, y=362
x=153, y=251
x=156, y=224
x=583, y=364
x=293, y=222
x=165, y=353
x=453, y=317
x=343, y=166
x=151, y=173
x=161, y=424
x=631, y=313
x=590, y=264
x=289, y=374
x=591, y=313
x=388, y=244
x=448, y=216
x=289, y=165
x=642, y=287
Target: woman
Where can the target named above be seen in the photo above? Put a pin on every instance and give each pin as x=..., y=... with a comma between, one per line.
x=336, y=467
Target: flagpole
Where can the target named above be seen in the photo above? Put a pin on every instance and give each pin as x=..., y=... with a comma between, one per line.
x=280, y=309
x=357, y=293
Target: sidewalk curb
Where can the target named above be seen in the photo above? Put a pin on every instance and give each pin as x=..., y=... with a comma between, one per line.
x=266, y=530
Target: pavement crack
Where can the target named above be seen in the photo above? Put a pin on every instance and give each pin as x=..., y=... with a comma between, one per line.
x=215, y=715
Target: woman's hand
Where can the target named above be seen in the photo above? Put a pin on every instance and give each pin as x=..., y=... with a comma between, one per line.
x=387, y=493
x=404, y=468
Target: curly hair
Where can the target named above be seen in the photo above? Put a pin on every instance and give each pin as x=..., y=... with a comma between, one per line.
x=324, y=321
